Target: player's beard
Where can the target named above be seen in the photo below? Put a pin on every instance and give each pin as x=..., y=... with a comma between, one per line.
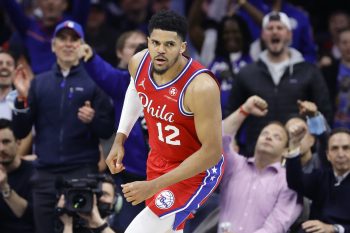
x=163, y=71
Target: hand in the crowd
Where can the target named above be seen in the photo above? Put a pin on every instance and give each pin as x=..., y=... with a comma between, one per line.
x=307, y=108
x=65, y=218
x=22, y=81
x=296, y=134
x=3, y=177
x=85, y=52
x=116, y=155
x=315, y=226
x=256, y=106
x=138, y=191
x=93, y=219
x=86, y=113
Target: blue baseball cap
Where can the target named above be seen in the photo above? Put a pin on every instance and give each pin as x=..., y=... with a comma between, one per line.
x=72, y=25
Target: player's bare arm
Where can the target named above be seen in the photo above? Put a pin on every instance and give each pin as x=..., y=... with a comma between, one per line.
x=203, y=99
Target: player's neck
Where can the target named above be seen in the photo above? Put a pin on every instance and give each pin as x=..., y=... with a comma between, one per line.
x=171, y=73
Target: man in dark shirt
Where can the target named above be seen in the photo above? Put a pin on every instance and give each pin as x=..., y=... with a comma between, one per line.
x=15, y=199
x=329, y=189
x=70, y=114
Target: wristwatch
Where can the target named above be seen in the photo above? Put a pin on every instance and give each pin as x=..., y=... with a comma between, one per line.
x=100, y=228
x=6, y=193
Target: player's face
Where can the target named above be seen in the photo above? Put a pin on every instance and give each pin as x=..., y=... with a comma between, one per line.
x=165, y=48
x=276, y=37
x=8, y=146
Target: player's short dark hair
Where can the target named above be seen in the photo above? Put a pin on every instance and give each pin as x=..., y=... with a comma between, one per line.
x=169, y=21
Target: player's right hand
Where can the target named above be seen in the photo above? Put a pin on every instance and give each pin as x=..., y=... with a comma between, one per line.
x=116, y=155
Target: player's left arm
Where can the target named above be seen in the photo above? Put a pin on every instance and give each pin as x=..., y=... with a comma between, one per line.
x=203, y=99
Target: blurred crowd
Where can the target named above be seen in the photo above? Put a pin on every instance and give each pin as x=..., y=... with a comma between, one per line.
x=283, y=67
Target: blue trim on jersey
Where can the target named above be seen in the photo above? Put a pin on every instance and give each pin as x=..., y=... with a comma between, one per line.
x=171, y=82
x=181, y=99
x=210, y=182
x=140, y=66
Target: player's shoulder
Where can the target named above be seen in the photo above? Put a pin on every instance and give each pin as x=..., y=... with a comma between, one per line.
x=135, y=61
x=203, y=82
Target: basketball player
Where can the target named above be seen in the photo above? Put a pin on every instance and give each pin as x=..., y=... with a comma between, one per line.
x=181, y=103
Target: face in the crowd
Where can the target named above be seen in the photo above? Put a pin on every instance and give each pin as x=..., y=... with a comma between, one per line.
x=133, y=7
x=130, y=45
x=308, y=140
x=232, y=36
x=7, y=70
x=165, y=48
x=65, y=45
x=107, y=193
x=158, y=5
x=276, y=37
x=337, y=22
x=272, y=141
x=344, y=45
x=52, y=9
x=338, y=153
x=8, y=147
x=96, y=18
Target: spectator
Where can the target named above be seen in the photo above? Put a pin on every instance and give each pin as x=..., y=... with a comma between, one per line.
x=36, y=33
x=126, y=45
x=7, y=71
x=69, y=113
x=232, y=53
x=281, y=77
x=328, y=189
x=253, y=12
x=98, y=33
x=338, y=81
x=337, y=22
x=311, y=158
x=97, y=219
x=16, y=193
x=131, y=15
x=115, y=81
x=254, y=192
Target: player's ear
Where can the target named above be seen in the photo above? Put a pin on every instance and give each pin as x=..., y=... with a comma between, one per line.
x=183, y=47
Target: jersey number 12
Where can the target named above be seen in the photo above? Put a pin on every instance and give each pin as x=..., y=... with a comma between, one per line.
x=169, y=139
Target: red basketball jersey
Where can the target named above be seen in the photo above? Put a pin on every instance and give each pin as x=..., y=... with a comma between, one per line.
x=172, y=133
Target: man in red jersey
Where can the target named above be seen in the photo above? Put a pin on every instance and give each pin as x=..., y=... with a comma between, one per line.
x=181, y=103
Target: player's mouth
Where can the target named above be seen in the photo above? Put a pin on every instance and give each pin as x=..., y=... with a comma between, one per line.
x=160, y=60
